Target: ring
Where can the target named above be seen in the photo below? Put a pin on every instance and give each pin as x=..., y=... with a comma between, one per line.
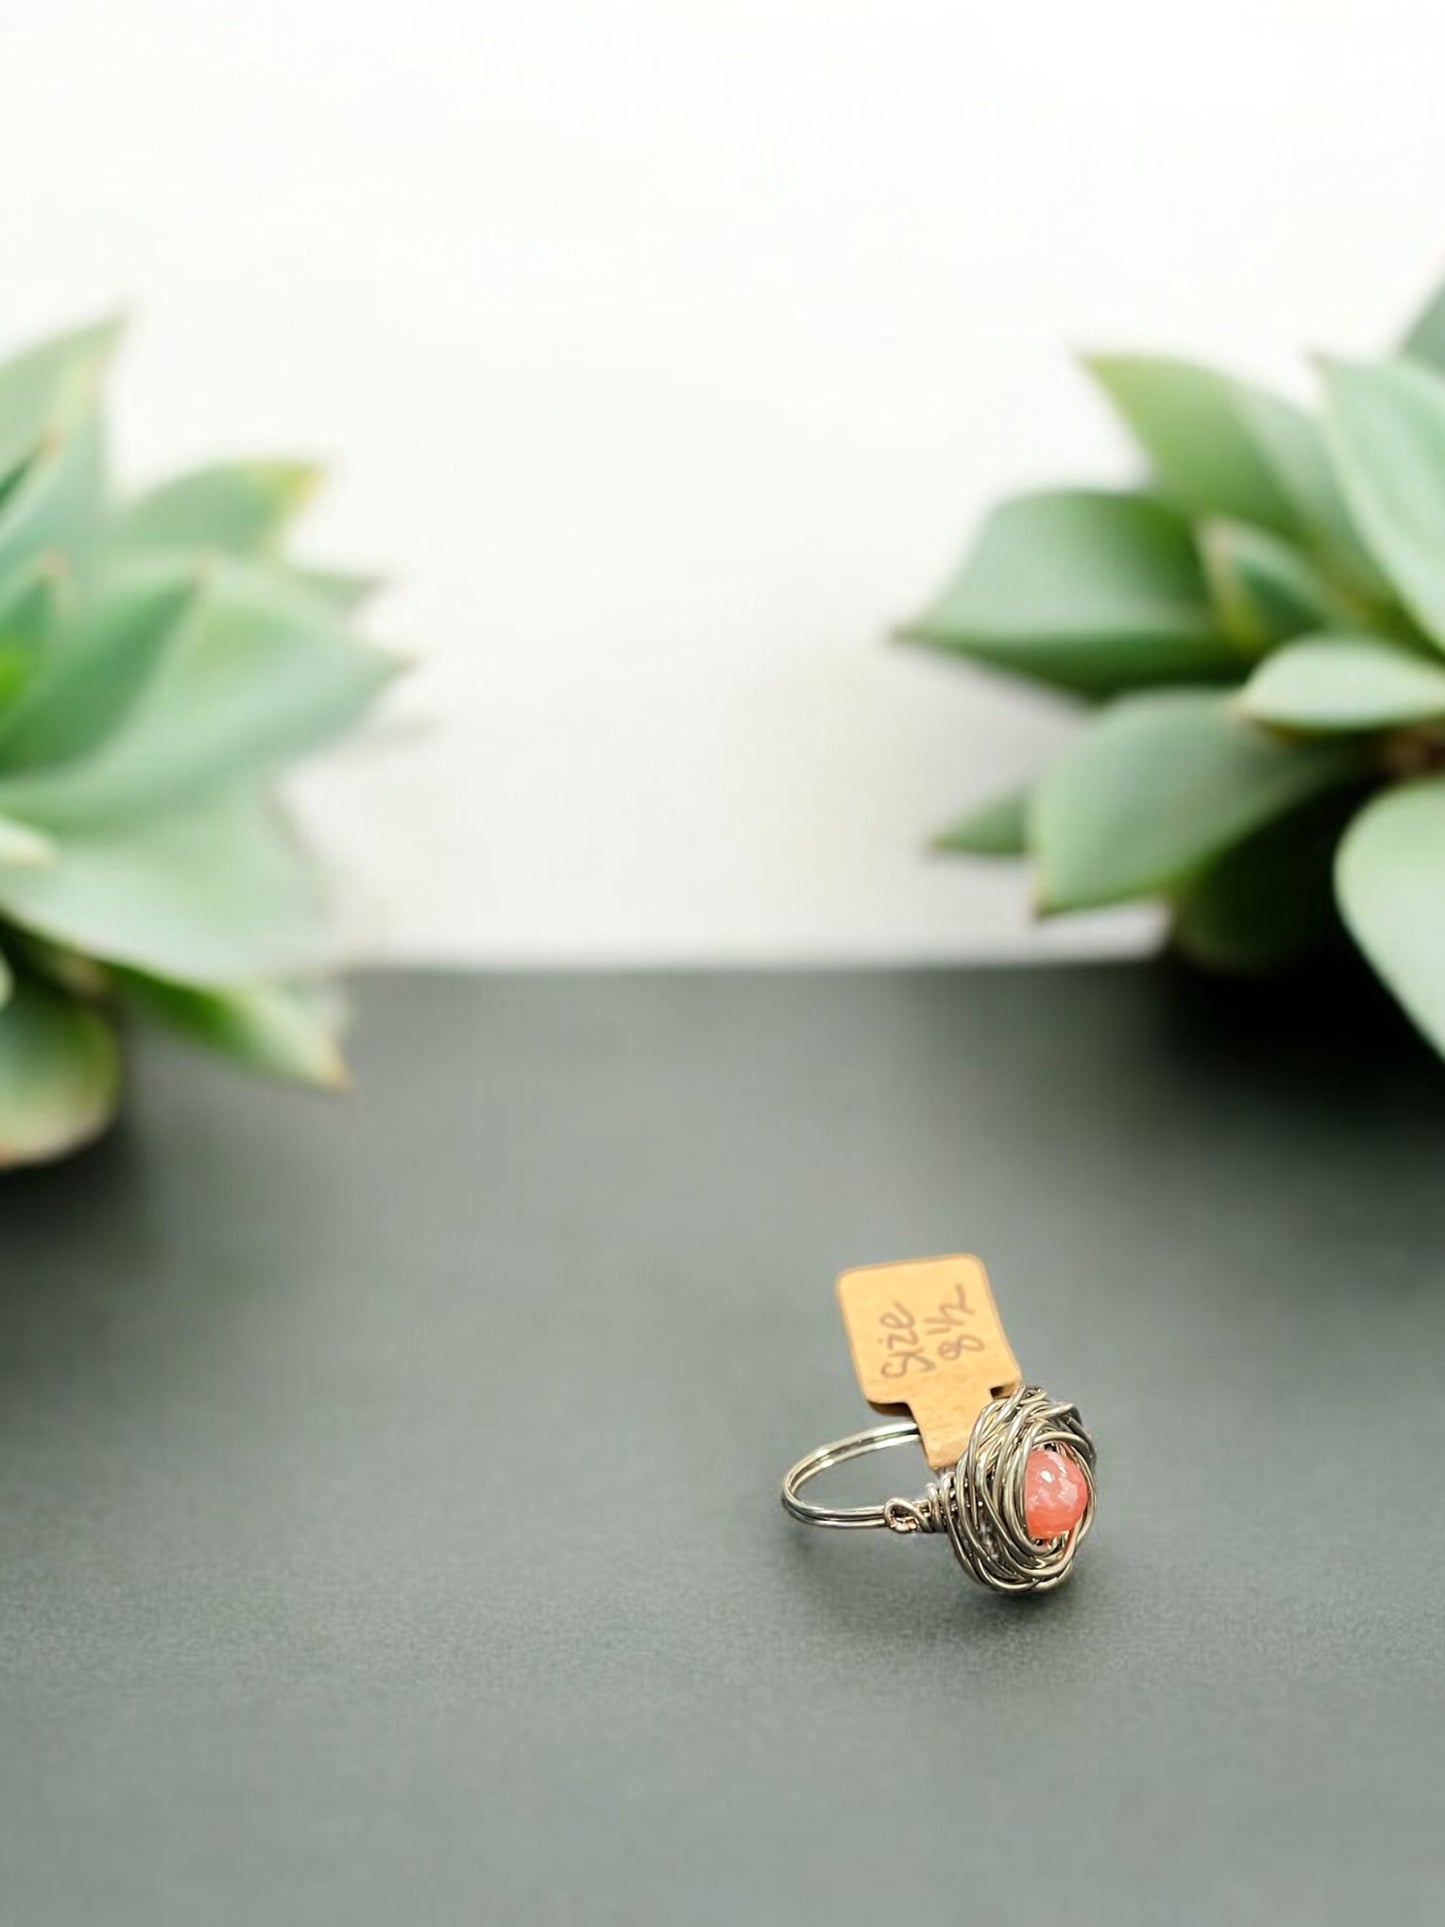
x=1016, y=1507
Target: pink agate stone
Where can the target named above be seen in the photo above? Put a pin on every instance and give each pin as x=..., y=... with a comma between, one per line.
x=1055, y=1494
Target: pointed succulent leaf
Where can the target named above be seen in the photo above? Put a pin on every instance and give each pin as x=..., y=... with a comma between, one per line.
x=1084, y=589
x=1223, y=447
x=216, y=893
x=1158, y=788
x=998, y=827
x=1267, y=904
x=1425, y=338
x=338, y=590
x=240, y=508
x=48, y=390
x=31, y=602
x=57, y=504
x=279, y=1030
x=1195, y=427
x=1263, y=588
x=1387, y=424
x=1325, y=683
x=326, y=592
x=105, y=656
x=1390, y=885
x=59, y=1075
x=256, y=676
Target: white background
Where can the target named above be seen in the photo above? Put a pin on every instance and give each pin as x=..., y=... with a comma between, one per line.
x=666, y=350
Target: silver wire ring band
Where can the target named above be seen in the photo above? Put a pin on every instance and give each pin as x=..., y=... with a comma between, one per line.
x=979, y=1503
x=849, y=1518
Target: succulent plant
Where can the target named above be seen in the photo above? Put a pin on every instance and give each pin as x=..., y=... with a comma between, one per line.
x=161, y=661
x=1256, y=634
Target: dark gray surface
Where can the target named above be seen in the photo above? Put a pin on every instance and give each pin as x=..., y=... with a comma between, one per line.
x=389, y=1530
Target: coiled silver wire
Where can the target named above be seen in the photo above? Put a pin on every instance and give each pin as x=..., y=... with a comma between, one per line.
x=979, y=1503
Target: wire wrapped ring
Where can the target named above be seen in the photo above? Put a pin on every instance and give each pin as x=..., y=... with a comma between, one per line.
x=980, y=1501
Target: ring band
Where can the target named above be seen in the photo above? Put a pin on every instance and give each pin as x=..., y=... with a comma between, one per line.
x=982, y=1503
x=848, y=1518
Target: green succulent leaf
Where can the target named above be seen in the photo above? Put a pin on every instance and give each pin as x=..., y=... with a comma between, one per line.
x=1263, y=588
x=1425, y=339
x=1387, y=422
x=256, y=676
x=335, y=589
x=22, y=845
x=1197, y=429
x=1223, y=447
x=217, y=893
x=1324, y=683
x=104, y=657
x=31, y=602
x=1087, y=590
x=1158, y=788
x=59, y=1074
x=161, y=661
x=1390, y=885
x=57, y=505
x=241, y=508
x=48, y=963
x=46, y=392
x=999, y=827
x=1267, y=904
x=282, y=1031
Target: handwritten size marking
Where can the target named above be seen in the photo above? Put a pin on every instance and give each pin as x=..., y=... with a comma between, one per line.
x=945, y=1333
x=949, y=1324
x=902, y=1343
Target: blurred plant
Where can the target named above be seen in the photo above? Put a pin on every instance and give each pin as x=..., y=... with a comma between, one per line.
x=160, y=662
x=1261, y=632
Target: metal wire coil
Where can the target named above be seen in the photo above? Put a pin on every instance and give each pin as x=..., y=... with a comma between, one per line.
x=979, y=1503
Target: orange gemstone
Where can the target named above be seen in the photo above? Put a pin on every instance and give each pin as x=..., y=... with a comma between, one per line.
x=1055, y=1494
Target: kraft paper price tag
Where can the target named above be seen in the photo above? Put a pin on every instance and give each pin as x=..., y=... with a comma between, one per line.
x=926, y=1340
